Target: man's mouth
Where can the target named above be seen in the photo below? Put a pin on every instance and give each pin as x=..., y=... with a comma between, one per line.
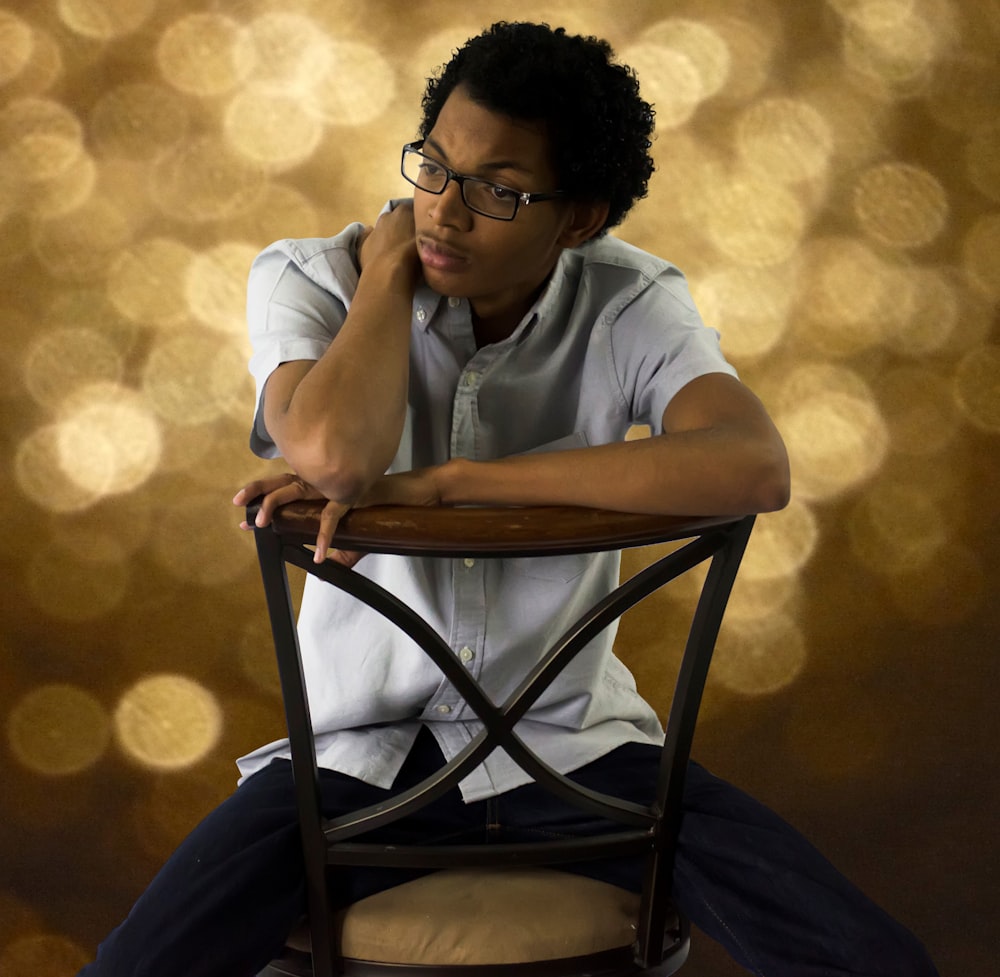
x=440, y=256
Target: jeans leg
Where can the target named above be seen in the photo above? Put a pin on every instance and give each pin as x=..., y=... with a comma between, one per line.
x=749, y=880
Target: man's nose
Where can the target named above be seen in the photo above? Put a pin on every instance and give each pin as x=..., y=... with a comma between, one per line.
x=449, y=207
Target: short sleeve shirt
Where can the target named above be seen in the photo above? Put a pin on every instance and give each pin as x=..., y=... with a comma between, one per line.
x=611, y=339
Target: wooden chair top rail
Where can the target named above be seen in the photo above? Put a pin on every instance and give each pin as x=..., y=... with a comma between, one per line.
x=501, y=531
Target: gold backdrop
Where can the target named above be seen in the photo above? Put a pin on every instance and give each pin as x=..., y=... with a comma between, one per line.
x=828, y=177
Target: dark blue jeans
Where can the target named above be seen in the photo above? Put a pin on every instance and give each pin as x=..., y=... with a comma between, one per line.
x=224, y=902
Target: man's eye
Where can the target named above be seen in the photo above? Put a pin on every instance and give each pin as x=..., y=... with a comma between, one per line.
x=430, y=169
x=501, y=193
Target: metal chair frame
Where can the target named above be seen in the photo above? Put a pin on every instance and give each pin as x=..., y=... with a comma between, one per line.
x=486, y=532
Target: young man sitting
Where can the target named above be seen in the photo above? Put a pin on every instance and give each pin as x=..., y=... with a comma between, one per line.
x=486, y=342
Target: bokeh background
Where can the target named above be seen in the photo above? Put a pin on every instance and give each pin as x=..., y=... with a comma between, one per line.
x=828, y=177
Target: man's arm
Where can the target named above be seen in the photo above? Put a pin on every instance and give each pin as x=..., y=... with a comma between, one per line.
x=337, y=421
x=720, y=454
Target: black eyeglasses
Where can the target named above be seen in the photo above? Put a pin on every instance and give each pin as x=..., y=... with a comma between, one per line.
x=480, y=196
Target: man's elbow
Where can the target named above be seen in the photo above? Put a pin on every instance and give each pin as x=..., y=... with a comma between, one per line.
x=337, y=475
x=773, y=482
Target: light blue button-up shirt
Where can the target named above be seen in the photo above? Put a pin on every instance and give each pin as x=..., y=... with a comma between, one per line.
x=611, y=339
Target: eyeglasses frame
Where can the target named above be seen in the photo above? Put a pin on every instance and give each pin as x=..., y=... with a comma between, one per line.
x=451, y=176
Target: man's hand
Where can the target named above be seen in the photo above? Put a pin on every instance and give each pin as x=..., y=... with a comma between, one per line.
x=421, y=487
x=394, y=234
x=279, y=489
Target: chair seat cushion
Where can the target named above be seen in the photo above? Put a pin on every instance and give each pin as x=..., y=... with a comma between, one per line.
x=478, y=916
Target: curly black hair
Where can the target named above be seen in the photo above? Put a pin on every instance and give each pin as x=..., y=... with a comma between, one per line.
x=598, y=125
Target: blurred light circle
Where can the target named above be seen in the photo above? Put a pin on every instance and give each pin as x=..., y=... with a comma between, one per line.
x=167, y=722
x=887, y=41
x=64, y=193
x=749, y=307
x=17, y=42
x=919, y=410
x=900, y=205
x=786, y=139
x=977, y=387
x=356, y=88
x=758, y=657
x=138, y=120
x=751, y=46
x=982, y=161
x=278, y=211
x=834, y=431
x=42, y=70
x=205, y=179
x=896, y=527
x=943, y=591
x=74, y=584
x=39, y=137
x=64, y=358
x=755, y=222
x=215, y=286
x=700, y=43
x=966, y=92
x=40, y=476
x=182, y=380
x=845, y=294
x=931, y=300
x=108, y=438
x=289, y=52
x=668, y=79
x=58, y=730
x=146, y=282
x=104, y=20
x=79, y=246
x=42, y=955
x=199, y=54
x=272, y=129
x=782, y=543
x=981, y=255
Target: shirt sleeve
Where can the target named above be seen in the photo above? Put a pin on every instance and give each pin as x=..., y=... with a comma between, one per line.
x=297, y=299
x=660, y=344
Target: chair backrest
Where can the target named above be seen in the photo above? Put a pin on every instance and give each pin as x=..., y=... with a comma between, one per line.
x=491, y=532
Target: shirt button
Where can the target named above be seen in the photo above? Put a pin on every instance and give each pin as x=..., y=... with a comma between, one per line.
x=469, y=562
x=454, y=302
x=443, y=709
x=421, y=315
x=467, y=654
x=470, y=379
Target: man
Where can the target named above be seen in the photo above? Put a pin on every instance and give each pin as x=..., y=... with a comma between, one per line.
x=486, y=343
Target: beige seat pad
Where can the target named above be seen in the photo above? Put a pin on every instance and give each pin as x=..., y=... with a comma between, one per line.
x=476, y=916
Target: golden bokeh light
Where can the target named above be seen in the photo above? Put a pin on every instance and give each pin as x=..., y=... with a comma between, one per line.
x=751, y=39
x=848, y=296
x=42, y=955
x=205, y=180
x=109, y=439
x=39, y=138
x=44, y=65
x=782, y=543
x=146, y=282
x=900, y=205
x=784, y=138
x=758, y=657
x=926, y=311
x=17, y=42
x=199, y=54
x=79, y=246
x=139, y=120
x=104, y=20
x=278, y=211
x=73, y=583
x=919, y=410
x=215, y=287
x=191, y=377
x=981, y=255
x=889, y=42
x=272, y=129
x=357, y=87
x=965, y=93
x=834, y=431
x=896, y=527
x=749, y=306
x=167, y=722
x=700, y=43
x=40, y=477
x=755, y=221
x=61, y=360
x=982, y=161
x=670, y=80
x=288, y=50
x=57, y=730
x=942, y=591
x=977, y=387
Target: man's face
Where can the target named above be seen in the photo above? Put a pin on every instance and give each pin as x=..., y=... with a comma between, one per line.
x=499, y=266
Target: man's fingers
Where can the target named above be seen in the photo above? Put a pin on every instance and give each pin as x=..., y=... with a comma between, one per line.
x=328, y=520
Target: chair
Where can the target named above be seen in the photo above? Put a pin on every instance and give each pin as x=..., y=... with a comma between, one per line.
x=480, y=913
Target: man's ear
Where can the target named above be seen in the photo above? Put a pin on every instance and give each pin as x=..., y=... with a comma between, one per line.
x=586, y=219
